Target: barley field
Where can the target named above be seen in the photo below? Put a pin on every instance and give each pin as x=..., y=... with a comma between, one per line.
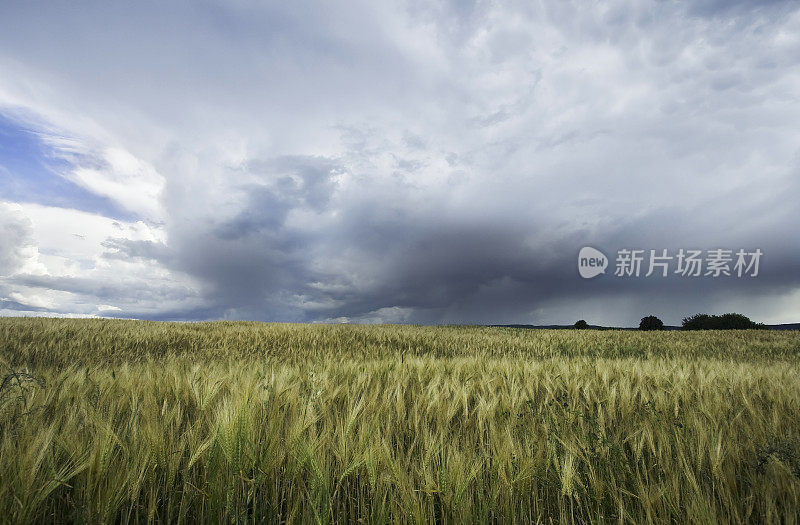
x=107, y=421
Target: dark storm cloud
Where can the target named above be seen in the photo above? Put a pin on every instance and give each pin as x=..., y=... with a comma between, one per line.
x=291, y=183
x=468, y=269
x=481, y=273
x=253, y=263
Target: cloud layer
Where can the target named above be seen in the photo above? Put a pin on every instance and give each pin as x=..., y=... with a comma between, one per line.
x=394, y=162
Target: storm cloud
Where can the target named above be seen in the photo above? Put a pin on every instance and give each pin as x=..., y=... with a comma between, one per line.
x=415, y=162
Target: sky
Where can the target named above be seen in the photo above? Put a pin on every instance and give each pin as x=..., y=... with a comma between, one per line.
x=396, y=162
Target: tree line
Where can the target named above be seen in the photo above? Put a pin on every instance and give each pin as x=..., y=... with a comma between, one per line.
x=730, y=321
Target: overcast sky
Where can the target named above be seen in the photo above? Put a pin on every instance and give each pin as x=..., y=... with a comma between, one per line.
x=411, y=162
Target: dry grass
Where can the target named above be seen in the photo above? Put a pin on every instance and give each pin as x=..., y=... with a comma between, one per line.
x=123, y=421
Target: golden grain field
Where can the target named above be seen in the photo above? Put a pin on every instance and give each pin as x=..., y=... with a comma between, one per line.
x=105, y=421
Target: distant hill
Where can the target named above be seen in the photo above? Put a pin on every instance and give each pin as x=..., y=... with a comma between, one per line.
x=570, y=327
x=787, y=326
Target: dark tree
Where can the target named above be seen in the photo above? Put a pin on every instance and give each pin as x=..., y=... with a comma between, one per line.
x=651, y=322
x=581, y=325
x=719, y=322
x=697, y=322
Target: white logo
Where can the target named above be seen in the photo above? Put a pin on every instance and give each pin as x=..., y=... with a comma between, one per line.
x=632, y=262
x=591, y=262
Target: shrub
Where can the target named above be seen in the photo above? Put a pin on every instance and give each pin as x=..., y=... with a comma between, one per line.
x=697, y=322
x=581, y=325
x=720, y=322
x=651, y=322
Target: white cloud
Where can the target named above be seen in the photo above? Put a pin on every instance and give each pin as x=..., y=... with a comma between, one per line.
x=108, y=308
x=67, y=242
x=35, y=300
x=18, y=252
x=65, y=264
x=128, y=181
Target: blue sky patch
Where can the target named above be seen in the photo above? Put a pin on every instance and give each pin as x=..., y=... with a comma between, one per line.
x=31, y=171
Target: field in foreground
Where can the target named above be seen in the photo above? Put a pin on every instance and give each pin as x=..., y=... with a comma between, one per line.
x=127, y=421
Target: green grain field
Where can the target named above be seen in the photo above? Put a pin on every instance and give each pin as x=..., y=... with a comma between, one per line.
x=105, y=421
